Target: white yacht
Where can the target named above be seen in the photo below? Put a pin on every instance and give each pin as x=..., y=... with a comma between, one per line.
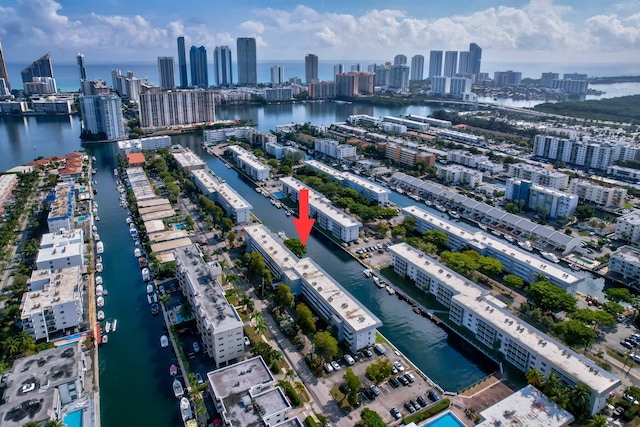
x=146, y=274
x=99, y=247
x=137, y=252
x=100, y=315
x=550, y=256
x=99, y=267
x=149, y=288
x=525, y=244
x=164, y=341
x=100, y=302
x=98, y=280
x=99, y=290
x=185, y=409
x=178, y=391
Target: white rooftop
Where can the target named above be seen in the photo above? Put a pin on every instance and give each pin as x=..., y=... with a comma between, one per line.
x=329, y=290
x=62, y=238
x=527, y=407
x=279, y=253
x=339, y=175
x=249, y=158
x=188, y=159
x=224, y=190
x=240, y=377
x=632, y=217
x=62, y=287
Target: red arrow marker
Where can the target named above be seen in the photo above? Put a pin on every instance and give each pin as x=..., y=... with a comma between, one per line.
x=303, y=223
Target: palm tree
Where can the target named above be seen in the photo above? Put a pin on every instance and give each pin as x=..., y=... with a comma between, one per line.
x=164, y=299
x=598, y=421
x=580, y=399
x=561, y=397
x=261, y=326
x=186, y=310
x=232, y=278
x=290, y=374
x=534, y=377
x=32, y=424
x=12, y=345
x=245, y=300
x=54, y=423
x=552, y=385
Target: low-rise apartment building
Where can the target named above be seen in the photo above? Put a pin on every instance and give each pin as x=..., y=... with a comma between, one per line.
x=187, y=159
x=628, y=227
x=218, y=322
x=465, y=158
x=609, y=196
x=333, y=149
x=624, y=264
x=62, y=249
x=61, y=208
x=556, y=204
x=459, y=175
x=249, y=163
x=493, y=325
x=539, y=176
x=234, y=205
x=151, y=143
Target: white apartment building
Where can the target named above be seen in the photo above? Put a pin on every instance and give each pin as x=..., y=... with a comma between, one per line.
x=173, y=108
x=233, y=204
x=327, y=216
x=364, y=187
x=628, y=227
x=515, y=260
x=335, y=150
x=187, y=159
x=53, y=303
x=491, y=167
x=539, y=176
x=273, y=149
x=251, y=135
x=245, y=394
x=394, y=127
x=459, y=85
x=218, y=322
x=364, y=119
x=459, y=175
x=546, y=237
x=557, y=203
x=61, y=208
x=440, y=85
x=249, y=163
x=465, y=158
x=410, y=124
x=496, y=327
x=437, y=123
x=151, y=143
x=62, y=249
x=456, y=136
x=611, y=196
x=625, y=262
x=625, y=174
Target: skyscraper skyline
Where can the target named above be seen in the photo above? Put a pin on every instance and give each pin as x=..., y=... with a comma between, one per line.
x=417, y=68
x=450, y=63
x=337, y=69
x=3, y=68
x=464, y=65
x=222, y=66
x=277, y=75
x=311, y=68
x=247, y=61
x=199, y=69
x=102, y=114
x=400, y=60
x=81, y=66
x=166, y=67
x=41, y=67
x=435, y=63
x=182, y=63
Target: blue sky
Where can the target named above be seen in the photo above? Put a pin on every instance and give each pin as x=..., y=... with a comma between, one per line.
x=542, y=31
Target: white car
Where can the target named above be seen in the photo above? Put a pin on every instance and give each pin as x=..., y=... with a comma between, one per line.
x=335, y=365
x=196, y=346
x=246, y=341
x=328, y=368
x=398, y=365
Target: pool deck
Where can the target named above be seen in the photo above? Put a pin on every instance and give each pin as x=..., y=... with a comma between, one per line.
x=85, y=404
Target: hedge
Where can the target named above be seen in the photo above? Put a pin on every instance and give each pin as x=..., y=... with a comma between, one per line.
x=291, y=394
x=440, y=406
x=310, y=422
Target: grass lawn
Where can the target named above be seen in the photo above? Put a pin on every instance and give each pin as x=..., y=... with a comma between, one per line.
x=232, y=297
x=380, y=339
x=340, y=398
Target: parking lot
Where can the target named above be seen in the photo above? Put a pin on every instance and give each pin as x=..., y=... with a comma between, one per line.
x=388, y=395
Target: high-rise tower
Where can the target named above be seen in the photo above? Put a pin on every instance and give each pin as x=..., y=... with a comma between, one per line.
x=81, y=66
x=222, y=66
x=450, y=63
x=182, y=63
x=247, y=62
x=311, y=68
x=198, y=63
x=166, y=66
x=400, y=60
x=417, y=68
x=475, y=58
x=277, y=75
x=3, y=69
x=39, y=68
x=435, y=63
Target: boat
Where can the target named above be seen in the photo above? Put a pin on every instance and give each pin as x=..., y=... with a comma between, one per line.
x=105, y=292
x=95, y=191
x=508, y=238
x=99, y=267
x=440, y=208
x=367, y=272
x=164, y=341
x=142, y=262
x=146, y=274
x=173, y=370
x=155, y=309
x=129, y=220
x=178, y=391
x=98, y=280
x=94, y=171
x=99, y=247
x=379, y=283
x=152, y=298
x=282, y=235
x=115, y=172
x=550, y=256
x=96, y=236
x=132, y=225
x=137, y=252
x=482, y=227
x=149, y=288
x=415, y=197
x=228, y=165
x=113, y=327
x=454, y=214
x=496, y=233
x=99, y=259
x=94, y=228
x=390, y=290
x=185, y=409
x=105, y=339
x=258, y=190
x=99, y=291
x=525, y=244
x=133, y=232
x=93, y=159
x=100, y=302
x=100, y=315
x=288, y=213
x=107, y=327
x=428, y=202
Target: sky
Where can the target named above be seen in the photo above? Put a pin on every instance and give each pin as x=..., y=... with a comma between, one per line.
x=542, y=31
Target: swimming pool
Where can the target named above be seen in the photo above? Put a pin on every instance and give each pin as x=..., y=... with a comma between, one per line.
x=446, y=420
x=73, y=419
x=180, y=226
x=279, y=195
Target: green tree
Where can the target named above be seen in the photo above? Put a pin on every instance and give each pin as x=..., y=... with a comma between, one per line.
x=326, y=346
x=305, y=319
x=283, y=298
x=513, y=281
x=32, y=424
x=261, y=326
x=511, y=208
x=549, y=297
x=580, y=397
x=226, y=224
x=436, y=237
x=593, y=318
x=584, y=212
x=613, y=307
x=296, y=246
x=618, y=294
x=379, y=370
x=54, y=423
x=598, y=421
x=231, y=238
x=534, y=377
x=370, y=418
x=575, y=333
x=351, y=385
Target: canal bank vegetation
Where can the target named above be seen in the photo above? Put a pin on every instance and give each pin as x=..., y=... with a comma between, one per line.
x=438, y=407
x=621, y=109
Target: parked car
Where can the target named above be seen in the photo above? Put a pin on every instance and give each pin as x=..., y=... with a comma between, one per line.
x=335, y=365
x=349, y=360
x=409, y=407
x=415, y=405
x=199, y=378
x=410, y=377
x=403, y=380
x=375, y=390
x=196, y=346
x=399, y=365
x=433, y=396
x=394, y=382
x=328, y=368
x=626, y=344
x=369, y=394
x=395, y=413
x=368, y=353
x=422, y=401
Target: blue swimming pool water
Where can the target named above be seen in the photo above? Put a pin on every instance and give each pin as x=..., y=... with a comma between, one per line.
x=73, y=419
x=279, y=195
x=446, y=420
x=180, y=226
x=83, y=218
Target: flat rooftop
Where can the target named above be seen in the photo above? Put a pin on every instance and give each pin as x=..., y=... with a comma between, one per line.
x=349, y=309
x=527, y=407
x=354, y=179
x=62, y=287
x=248, y=158
x=61, y=239
x=163, y=236
x=188, y=160
x=153, y=202
x=492, y=311
x=224, y=191
x=272, y=245
x=480, y=239
x=632, y=217
x=59, y=251
x=240, y=377
x=155, y=208
x=62, y=206
x=47, y=369
x=212, y=305
x=628, y=254
x=167, y=213
x=170, y=245
x=154, y=225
